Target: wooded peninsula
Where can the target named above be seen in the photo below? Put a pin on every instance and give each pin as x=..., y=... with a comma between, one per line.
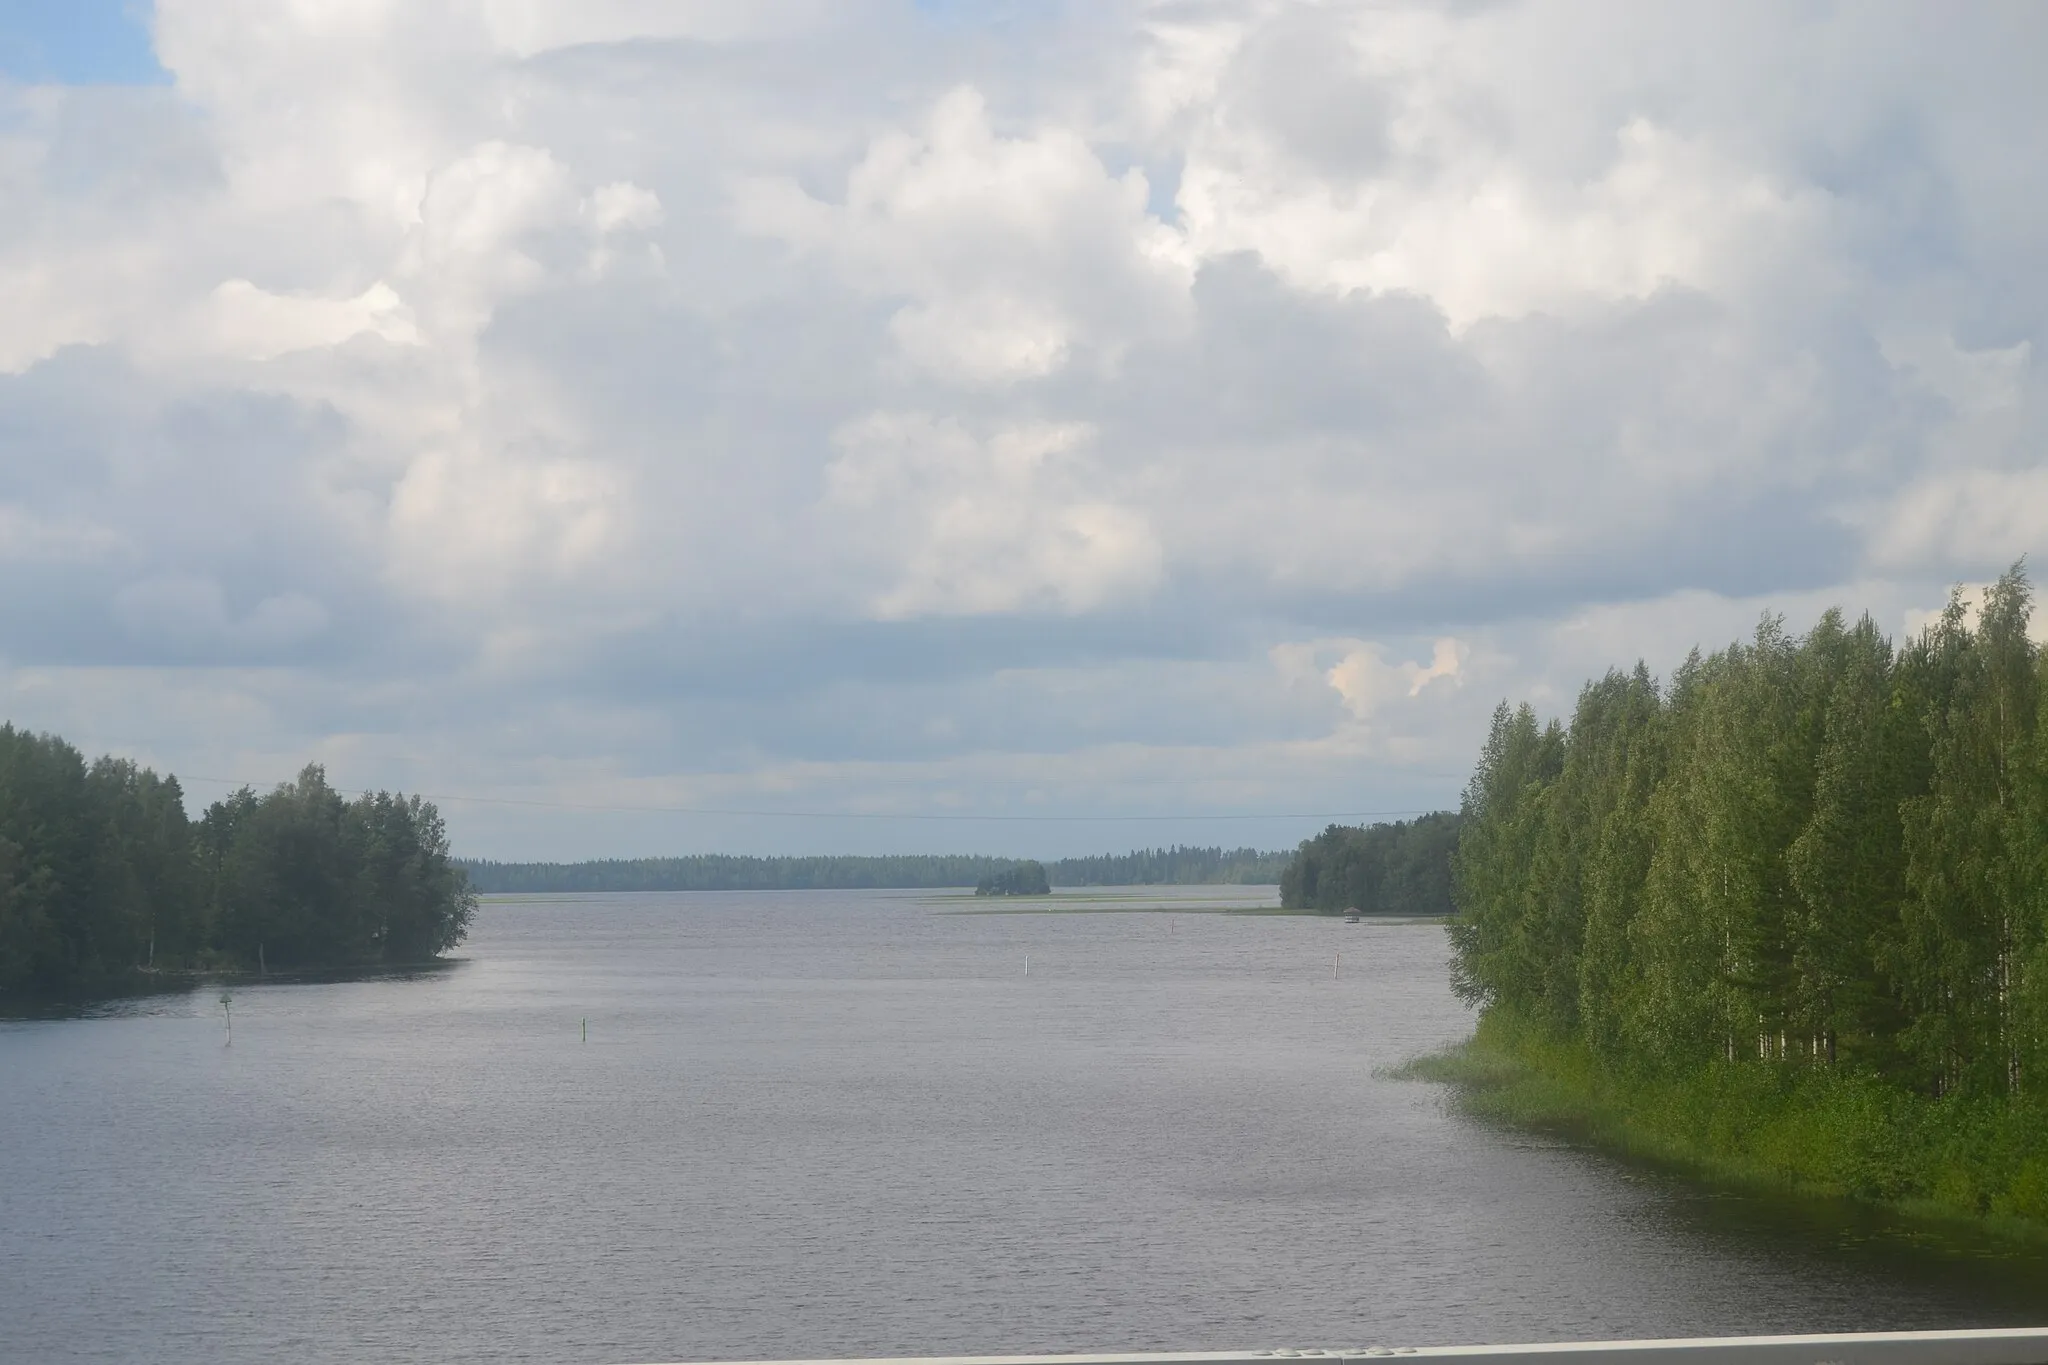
x=1399, y=868
x=1784, y=917
x=105, y=880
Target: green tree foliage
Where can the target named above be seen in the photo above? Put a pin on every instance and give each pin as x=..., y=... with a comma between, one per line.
x=1178, y=865
x=1498, y=932
x=1402, y=868
x=1019, y=879
x=1801, y=852
x=1786, y=915
x=103, y=877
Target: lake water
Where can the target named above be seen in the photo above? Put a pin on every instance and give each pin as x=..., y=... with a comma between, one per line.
x=841, y=1123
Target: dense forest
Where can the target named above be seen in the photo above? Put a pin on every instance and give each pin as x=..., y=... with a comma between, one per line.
x=1401, y=868
x=1788, y=911
x=1020, y=879
x=104, y=878
x=723, y=872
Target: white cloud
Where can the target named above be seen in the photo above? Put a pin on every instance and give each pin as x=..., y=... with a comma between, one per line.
x=1005, y=523
x=1666, y=213
x=486, y=528
x=527, y=27
x=467, y=254
x=1399, y=172
x=1013, y=252
x=623, y=204
x=255, y=324
x=815, y=396
x=1364, y=680
x=1971, y=515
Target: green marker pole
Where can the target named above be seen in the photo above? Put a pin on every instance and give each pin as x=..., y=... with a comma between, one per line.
x=586, y=1028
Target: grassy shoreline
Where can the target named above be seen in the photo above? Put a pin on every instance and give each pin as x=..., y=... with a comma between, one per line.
x=1790, y=1130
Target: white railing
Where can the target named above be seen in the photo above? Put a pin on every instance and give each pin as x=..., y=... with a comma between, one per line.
x=1997, y=1346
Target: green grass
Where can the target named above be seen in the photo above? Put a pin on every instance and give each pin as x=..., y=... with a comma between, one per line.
x=1808, y=1130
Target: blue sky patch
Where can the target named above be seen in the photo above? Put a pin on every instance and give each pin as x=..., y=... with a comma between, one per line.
x=78, y=42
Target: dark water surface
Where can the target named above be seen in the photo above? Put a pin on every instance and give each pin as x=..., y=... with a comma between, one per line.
x=843, y=1124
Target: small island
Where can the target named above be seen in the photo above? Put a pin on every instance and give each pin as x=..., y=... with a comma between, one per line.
x=1022, y=879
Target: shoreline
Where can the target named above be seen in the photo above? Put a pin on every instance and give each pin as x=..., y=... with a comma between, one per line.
x=1700, y=1131
x=145, y=983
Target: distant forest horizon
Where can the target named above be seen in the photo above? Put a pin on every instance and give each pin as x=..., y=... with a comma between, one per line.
x=106, y=881
x=1178, y=865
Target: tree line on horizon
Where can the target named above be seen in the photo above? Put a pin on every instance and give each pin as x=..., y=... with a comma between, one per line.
x=1179, y=865
x=106, y=880
x=1821, y=852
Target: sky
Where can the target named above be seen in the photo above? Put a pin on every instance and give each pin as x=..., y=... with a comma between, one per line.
x=656, y=426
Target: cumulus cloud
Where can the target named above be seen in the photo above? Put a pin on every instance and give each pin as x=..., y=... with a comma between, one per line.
x=1012, y=522
x=1362, y=676
x=254, y=324
x=1009, y=253
x=1215, y=404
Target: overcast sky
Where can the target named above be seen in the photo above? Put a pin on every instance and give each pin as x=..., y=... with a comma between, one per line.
x=1180, y=410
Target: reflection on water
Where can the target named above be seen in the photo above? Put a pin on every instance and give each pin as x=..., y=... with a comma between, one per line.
x=842, y=1123
x=1987, y=1276
x=170, y=993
